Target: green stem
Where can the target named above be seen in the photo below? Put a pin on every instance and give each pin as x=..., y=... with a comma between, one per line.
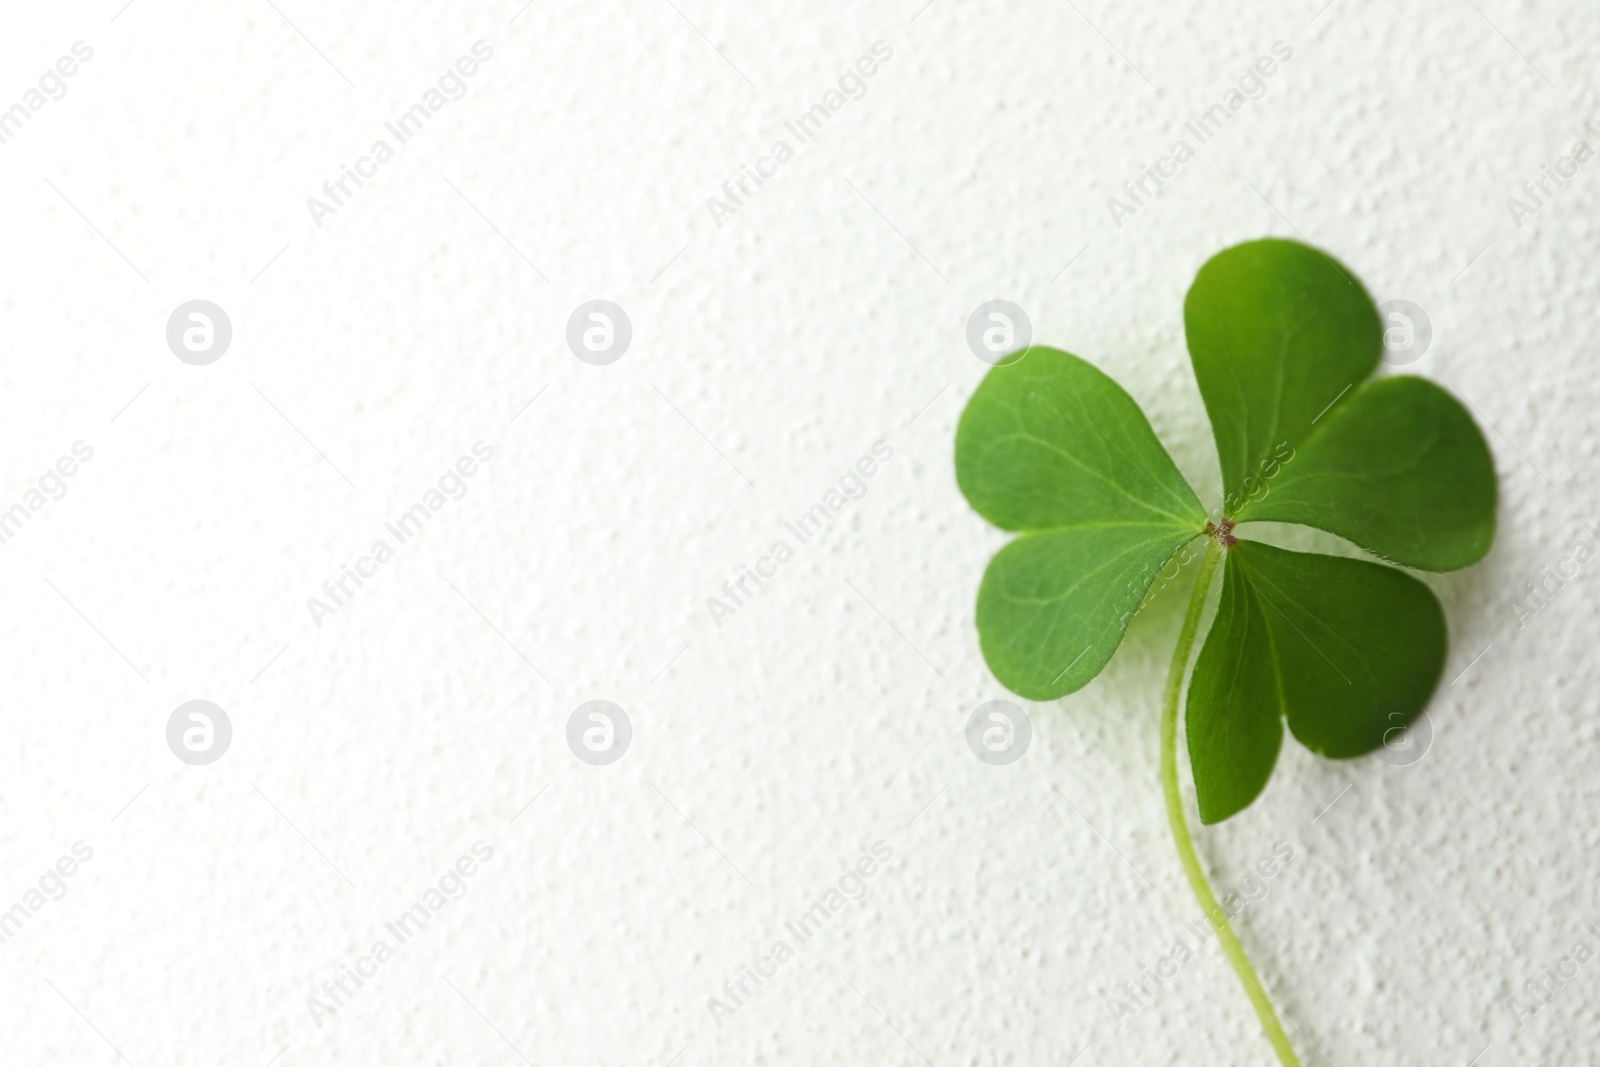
x=1180, y=830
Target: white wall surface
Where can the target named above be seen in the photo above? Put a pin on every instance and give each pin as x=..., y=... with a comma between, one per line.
x=428, y=713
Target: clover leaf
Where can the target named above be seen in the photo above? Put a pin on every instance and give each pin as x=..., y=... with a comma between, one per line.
x=1282, y=339
x=1344, y=649
x=1053, y=448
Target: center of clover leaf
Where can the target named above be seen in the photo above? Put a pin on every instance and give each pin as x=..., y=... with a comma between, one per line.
x=1283, y=341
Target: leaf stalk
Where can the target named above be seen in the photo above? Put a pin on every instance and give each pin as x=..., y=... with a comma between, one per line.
x=1175, y=815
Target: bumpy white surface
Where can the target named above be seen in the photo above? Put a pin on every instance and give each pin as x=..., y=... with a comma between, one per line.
x=827, y=314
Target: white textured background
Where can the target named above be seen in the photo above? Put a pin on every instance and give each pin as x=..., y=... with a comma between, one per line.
x=828, y=313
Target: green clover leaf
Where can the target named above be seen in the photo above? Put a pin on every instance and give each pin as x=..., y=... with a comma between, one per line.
x=1281, y=338
x=1051, y=447
x=1345, y=651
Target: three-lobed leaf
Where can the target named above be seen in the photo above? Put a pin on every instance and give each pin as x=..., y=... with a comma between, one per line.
x=1345, y=651
x=1282, y=339
x=1052, y=447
